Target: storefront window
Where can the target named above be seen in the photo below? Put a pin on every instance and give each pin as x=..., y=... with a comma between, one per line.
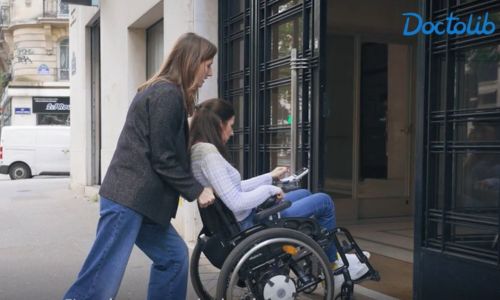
x=463, y=180
x=52, y=119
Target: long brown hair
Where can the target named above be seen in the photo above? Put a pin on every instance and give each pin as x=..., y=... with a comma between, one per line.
x=182, y=64
x=207, y=121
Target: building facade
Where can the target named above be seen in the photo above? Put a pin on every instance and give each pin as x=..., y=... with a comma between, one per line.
x=114, y=48
x=34, y=62
x=390, y=125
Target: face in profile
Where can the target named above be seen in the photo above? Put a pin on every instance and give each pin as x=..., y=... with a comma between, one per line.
x=204, y=71
x=227, y=130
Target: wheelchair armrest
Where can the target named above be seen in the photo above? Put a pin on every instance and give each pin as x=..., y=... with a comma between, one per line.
x=271, y=211
x=290, y=187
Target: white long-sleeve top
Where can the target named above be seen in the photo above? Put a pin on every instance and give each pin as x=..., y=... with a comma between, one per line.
x=211, y=169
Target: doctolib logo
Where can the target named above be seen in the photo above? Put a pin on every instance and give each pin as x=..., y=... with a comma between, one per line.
x=476, y=25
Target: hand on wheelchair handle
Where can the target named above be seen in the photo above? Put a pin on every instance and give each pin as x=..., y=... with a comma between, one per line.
x=206, y=197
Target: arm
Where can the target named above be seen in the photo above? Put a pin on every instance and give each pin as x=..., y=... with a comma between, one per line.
x=255, y=182
x=166, y=112
x=214, y=168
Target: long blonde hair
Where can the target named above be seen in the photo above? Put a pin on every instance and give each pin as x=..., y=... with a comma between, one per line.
x=182, y=64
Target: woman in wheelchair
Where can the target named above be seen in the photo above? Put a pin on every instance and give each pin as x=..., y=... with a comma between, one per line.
x=211, y=128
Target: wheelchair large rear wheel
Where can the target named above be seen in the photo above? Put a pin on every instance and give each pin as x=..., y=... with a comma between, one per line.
x=203, y=275
x=276, y=263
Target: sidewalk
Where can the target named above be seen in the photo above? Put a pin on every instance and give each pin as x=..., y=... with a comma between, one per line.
x=45, y=233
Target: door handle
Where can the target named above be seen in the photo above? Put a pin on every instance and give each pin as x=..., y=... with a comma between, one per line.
x=295, y=64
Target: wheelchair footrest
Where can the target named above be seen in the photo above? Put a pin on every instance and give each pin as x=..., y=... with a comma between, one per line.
x=349, y=244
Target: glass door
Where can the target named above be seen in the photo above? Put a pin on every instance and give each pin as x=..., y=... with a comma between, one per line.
x=286, y=26
x=257, y=41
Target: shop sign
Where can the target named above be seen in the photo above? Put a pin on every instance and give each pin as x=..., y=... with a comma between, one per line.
x=43, y=69
x=83, y=2
x=51, y=105
x=475, y=25
x=22, y=110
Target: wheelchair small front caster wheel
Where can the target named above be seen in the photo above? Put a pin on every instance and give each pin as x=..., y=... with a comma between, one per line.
x=346, y=292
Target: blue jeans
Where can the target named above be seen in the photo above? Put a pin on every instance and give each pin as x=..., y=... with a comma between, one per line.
x=118, y=229
x=304, y=204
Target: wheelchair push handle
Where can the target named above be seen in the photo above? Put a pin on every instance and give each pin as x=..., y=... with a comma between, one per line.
x=276, y=208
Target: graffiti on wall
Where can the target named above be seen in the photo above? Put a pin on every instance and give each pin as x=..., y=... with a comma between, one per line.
x=22, y=55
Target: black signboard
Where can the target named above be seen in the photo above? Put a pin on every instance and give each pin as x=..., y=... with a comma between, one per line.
x=51, y=104
x=79, y=2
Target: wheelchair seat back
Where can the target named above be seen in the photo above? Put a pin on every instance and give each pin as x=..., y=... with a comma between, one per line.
x=219, y=227
x=218, y=219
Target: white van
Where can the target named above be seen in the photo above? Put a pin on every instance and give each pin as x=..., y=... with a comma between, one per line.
x=27, y=151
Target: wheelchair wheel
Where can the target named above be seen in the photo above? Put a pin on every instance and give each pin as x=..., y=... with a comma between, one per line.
x=203, y=275
x=276, y=263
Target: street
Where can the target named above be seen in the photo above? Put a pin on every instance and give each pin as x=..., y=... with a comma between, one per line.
x=45, y=233
x=46, y=230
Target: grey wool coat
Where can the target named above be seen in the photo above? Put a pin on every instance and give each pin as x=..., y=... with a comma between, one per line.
x=151, y=166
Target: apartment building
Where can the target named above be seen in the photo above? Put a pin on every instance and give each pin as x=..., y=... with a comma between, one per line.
x=34, y=62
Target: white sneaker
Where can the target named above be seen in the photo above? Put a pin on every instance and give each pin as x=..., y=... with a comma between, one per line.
x=356, y=268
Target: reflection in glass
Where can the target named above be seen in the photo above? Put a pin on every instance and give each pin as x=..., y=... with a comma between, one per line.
x=236, y=7
x=280, y=106
x=239, y=109
x=436, y=181
x=483, y=241
x=434, y=232
x=280, y=72
x=437, y=5
x=477, y=78
x=438, y=76
x=478, y=179
x=477, y=132
x=237, y=55
x=236, y=83
x=437, y=132
x=285, y=36
x=283, y=5
x=281, y=156
x=237, y=27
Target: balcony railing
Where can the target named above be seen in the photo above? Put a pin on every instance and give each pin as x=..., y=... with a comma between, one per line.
x=4, y=15
x=55, y=9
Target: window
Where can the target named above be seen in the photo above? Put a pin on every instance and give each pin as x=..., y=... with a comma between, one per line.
x=7, y=113
x=64, y=60
x=63, y=9
x=52, y=119
x=463, y=148
x=4, y=15
x=154, y=48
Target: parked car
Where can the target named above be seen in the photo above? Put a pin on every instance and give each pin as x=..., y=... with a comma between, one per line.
x=27, y=151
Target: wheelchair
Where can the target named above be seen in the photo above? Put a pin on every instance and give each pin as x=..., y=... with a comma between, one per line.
x=277, y=258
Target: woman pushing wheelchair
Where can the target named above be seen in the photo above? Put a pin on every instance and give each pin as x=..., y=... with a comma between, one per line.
x=211, y=128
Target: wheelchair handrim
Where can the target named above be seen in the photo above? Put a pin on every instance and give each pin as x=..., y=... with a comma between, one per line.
x=232, y=282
